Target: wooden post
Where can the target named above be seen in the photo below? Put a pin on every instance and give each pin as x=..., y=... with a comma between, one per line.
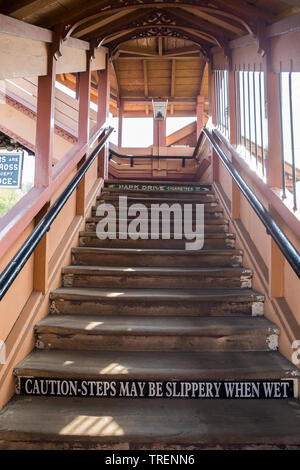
x=276, y=264
x=276, y=270
x=103, y=94
x=232, y=116
x=45, y=125
x=200, y=114
x=103, y=162
x=159, y=132
x=274, y=172
x=215, y=166
x=40, y=270
x=212, y=95
x=235, y=200
x=80, y=192
x=83, y=128
x=120, y=126
x=84, y=104
x=102, y=115
x=235, y=191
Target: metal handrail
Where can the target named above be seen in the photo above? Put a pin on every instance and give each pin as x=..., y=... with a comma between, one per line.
x=287, y=248
x=13, y=268
x=152, y=157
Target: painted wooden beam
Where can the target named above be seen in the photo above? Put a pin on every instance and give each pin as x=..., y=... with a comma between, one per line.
x=45, y=125
x=200, y=114
x=84, y=103
x=120, y=126
x=41, y=257
x=27, y=46
x=173, y=78
x=145, y=71
x=103, y=94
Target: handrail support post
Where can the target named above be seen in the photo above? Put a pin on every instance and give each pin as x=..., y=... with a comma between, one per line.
x=40, y=262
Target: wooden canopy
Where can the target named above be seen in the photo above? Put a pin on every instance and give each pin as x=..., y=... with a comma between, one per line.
x=157, y=49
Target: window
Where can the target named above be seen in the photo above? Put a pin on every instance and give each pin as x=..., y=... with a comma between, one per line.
x=251, y=118
x=289, y=94
x=221, y=101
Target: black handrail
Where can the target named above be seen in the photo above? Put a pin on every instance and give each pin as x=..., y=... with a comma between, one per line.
x=199, y=142
x=151, y=157
x=17, y=263
x=284, y=244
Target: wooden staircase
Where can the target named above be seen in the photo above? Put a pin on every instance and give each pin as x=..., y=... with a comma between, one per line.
x=149, y=310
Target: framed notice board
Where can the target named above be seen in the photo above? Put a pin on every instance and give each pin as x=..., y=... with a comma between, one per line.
x=11, y=168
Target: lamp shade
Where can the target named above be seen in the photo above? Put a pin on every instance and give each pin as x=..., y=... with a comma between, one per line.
x=160, y=109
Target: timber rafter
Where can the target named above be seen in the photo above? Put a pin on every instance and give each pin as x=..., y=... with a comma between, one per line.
x=245, y=18
x=161, y=18
x=167, y=31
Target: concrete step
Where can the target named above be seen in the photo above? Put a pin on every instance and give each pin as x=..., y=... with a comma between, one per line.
x=211, y=224
x=182, y=302
x=145, y=365
x=142, y=257
x=209, y=199
x=155, y=277
x=211, y=209
x=163, y=333
x=47, y=423
x=211, y=240
x=159, y=193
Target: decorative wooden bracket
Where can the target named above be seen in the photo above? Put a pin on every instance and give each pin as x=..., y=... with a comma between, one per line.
x=94, y=43
x=227, y=53
x=261, y=38
x=58, y=40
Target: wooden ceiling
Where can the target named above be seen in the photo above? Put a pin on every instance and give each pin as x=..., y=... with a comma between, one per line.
x=158, y=49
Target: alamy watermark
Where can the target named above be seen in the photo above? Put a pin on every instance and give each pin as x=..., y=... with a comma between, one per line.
x=159, y=215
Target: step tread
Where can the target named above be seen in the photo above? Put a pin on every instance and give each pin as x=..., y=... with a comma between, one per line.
x=167, y=294
x=155, y=195
x=162, y=325
x=158, y=251
x=210, y=220
x=159, y=421
x=159, y=182
x=169, y=271
x=206, y=235
x=141, y=365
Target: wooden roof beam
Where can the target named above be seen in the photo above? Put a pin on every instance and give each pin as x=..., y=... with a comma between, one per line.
x=215, y=20
x=98, y=24
x=154, y=31
x=175, y=100
x=226, y=8
x=123, y=23
x=80, y=14
x=136, y=51
x=125, y=58
x=201, y=25
x=182, y=51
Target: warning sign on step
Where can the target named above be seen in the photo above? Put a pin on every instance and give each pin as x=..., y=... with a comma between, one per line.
x=156, y=389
